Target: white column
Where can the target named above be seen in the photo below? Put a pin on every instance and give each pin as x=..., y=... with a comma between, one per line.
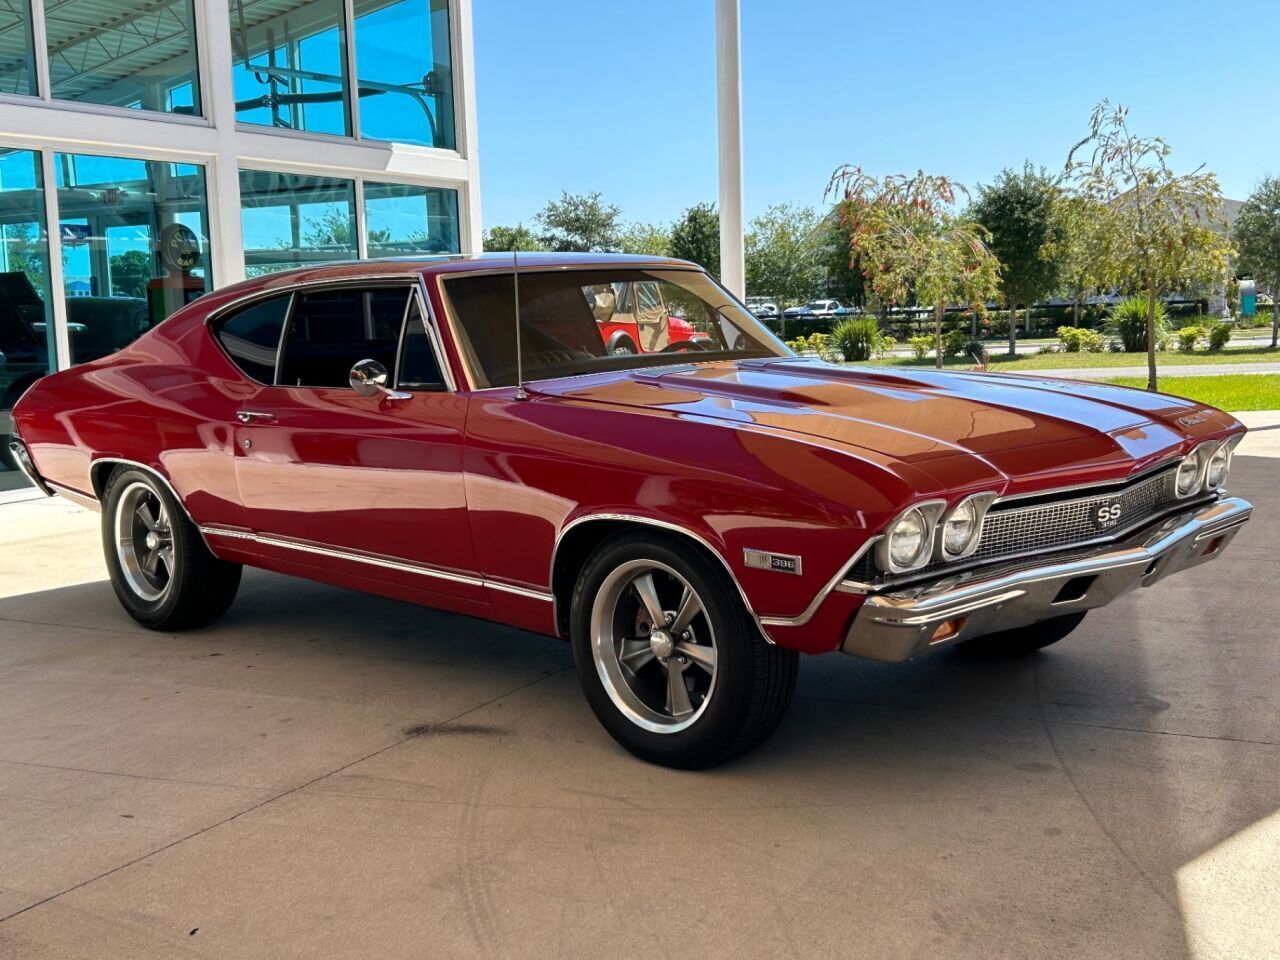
x=729, y=110
x=471, y=227
x=226, y=231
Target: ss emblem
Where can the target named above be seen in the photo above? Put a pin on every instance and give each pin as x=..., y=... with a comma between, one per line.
x=1107, y=514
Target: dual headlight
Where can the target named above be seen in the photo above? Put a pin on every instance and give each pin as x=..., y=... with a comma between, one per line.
x=928, y=530
x=1205, y=468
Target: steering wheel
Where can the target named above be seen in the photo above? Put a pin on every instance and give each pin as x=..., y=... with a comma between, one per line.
x=681, y=346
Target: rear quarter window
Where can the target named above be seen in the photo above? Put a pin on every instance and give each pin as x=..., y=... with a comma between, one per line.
x=251, y=337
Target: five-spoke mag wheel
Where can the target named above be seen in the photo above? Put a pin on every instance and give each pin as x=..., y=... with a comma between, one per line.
x=653, y=646
x=144, y=540
x=162, y=572
x=672, y=663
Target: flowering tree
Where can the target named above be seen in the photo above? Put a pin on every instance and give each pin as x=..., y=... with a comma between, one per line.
x=1161, y=230
x=907, y=235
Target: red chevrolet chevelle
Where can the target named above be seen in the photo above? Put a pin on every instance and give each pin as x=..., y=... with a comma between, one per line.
x=690, y=519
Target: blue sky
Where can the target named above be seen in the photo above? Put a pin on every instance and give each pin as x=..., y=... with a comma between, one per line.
x=585, y=95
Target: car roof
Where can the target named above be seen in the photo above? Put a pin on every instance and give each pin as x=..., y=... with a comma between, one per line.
x=431, y=265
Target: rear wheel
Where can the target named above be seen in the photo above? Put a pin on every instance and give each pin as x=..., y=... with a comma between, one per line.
x=671, y=662
x=162, y=572
x=1022, y=640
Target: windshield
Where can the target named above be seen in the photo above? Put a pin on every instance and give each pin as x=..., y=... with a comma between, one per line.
x=585, y=321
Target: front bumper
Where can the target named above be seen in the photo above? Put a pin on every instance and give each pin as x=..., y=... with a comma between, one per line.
x=898, y=626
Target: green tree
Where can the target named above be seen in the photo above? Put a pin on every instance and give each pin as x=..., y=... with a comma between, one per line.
x=784, y=254
x=696, y=237
x=1162, y=230
x=845, y=281
x=908, y=235
x=130, y=272
x=26, y=252
x=503, y=239
x=579, y=223
x=1258, y=237
x=1017, y=212
x=647, y=239
x=1078, y=247
x=336, y=228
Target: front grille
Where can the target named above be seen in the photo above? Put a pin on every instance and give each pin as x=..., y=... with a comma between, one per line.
x=1012, y=528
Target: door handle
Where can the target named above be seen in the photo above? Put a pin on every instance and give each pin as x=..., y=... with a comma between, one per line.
x=252, y=416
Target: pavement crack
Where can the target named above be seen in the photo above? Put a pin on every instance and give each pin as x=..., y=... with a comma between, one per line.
x=278, y=796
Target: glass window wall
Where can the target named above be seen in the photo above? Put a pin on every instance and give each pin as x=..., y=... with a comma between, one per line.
x=292, y=220
x=135, y=246
x=405, y=71
x=290, y=65
x=17, y=49
x=404, y=220
x=139, y=54
x=26, y=345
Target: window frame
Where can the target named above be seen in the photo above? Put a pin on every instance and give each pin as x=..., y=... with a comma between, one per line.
x=413, y=285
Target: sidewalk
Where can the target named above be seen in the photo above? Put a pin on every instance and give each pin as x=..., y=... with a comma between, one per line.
x=1165, y=370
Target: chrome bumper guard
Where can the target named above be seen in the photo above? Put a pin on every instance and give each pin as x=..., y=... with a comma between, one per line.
x=899, y=626
x=18, y=450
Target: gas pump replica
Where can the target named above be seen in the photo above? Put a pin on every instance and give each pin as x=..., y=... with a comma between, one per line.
x=179, y=251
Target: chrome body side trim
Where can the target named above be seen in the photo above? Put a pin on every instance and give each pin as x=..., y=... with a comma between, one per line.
x=825, y=592
x=762, y=622
x=75, y=496
x=899, y=626
x=385, y=563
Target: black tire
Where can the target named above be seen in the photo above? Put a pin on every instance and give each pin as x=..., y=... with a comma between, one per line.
x=753, y=681
x=1022, y=640
x=623, y=346
x=189, y=589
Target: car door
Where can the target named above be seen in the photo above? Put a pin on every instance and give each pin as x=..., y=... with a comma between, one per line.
x=651, y=316
x=370, y=485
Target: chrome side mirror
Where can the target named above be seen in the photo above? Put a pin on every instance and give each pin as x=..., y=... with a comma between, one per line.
x=369, y=379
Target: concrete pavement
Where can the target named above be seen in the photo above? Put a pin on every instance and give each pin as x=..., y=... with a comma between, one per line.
x=329, y=774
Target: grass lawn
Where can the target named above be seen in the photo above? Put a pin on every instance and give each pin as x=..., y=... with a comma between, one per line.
x=1063, y=361
x=1233, y=392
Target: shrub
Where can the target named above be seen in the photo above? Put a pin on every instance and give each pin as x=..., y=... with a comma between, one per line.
x=1188, y=337
x=953, y=343
x=976, y=349
x=886, y=344
x=856, y=338
x=921, y=346
x=1128, y=324
x=1219, y=334
x=1081, y=340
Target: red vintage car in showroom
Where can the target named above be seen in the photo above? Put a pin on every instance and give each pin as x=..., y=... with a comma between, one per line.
x=691, y=520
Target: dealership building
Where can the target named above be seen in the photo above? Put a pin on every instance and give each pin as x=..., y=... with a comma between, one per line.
x=153, y=150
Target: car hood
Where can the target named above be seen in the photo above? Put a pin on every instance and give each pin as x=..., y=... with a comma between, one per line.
x=1018, y=426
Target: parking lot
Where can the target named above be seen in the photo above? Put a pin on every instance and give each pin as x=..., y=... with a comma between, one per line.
x=329, y=774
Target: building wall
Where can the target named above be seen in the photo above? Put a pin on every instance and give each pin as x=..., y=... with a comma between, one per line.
x=151, y=151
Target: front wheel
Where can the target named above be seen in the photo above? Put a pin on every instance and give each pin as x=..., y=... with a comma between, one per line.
x=161, y=571
x=1022, y=640
x=671, y=662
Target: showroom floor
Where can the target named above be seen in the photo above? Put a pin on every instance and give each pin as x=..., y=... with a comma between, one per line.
x=328, y=774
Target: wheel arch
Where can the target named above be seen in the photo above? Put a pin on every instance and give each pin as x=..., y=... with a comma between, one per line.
x=581, y=537
x=101, y=469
